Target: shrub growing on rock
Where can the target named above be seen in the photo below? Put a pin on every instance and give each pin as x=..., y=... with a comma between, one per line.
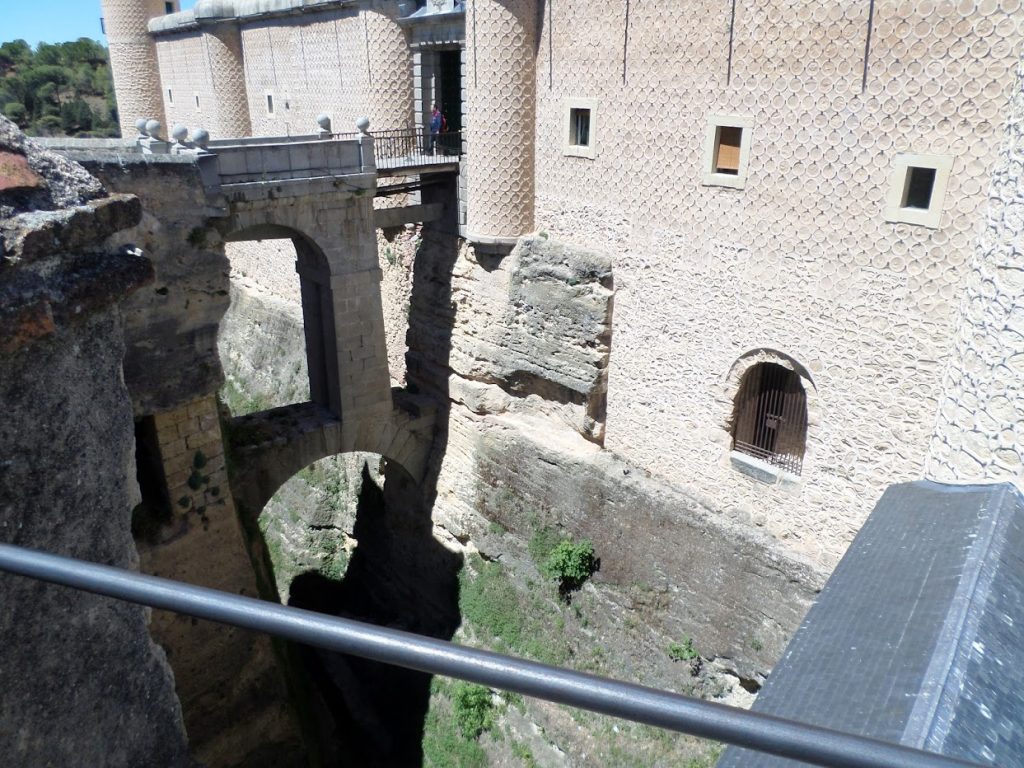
x=572, y=563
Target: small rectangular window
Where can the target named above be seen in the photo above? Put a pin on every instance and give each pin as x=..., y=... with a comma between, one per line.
x=168, y=7
x=197, y=101
x=270, y=103
x=170, y=97
x=726, y=153
x=727, y=149
x=917, y=189
x=917, y=192
x=580, y=130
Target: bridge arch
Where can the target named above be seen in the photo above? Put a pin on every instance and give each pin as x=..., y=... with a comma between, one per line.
x=269, y=447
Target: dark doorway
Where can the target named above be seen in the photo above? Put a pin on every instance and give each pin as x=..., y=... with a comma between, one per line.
x=449, y=87
x=770, y=416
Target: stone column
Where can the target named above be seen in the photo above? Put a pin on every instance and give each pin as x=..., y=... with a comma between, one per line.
x=343, y=312
x=133, y=61
x=500, y=107
x=979, y=433
x=223, y=43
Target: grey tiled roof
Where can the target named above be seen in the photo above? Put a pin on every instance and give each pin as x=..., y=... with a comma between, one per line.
x=918, y=637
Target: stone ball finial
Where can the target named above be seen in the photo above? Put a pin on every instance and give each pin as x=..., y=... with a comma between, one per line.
x=324, y=121
x=179, y=133
x=140, y=126
x=362, y=124
x=201, y=137
x=153, y=129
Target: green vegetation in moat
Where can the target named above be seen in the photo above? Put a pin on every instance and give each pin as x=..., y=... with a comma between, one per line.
x=444, y=742
x=683, y=651
x=474, y=711
x=63, y=89
x=558, y=557
x=524, y=622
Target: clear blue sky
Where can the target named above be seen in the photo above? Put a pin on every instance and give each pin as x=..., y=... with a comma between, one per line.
x=53, y=21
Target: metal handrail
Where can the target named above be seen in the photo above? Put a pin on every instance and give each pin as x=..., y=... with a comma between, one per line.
x=753, y=730
x=410, y=146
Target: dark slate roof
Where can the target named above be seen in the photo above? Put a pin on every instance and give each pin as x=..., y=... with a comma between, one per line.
x=918, y=636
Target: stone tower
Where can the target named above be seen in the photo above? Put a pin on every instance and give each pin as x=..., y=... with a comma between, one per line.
x=133, y=60
x=388, y=97
x=501, y=74
x=223, y=46
x=979, y=433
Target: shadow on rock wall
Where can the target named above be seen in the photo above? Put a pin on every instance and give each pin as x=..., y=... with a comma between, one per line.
x=398, y=577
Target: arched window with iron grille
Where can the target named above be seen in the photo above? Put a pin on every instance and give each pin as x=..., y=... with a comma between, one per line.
x=770, y=417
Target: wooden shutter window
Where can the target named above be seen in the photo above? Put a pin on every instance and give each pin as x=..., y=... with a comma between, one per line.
x=727, y=149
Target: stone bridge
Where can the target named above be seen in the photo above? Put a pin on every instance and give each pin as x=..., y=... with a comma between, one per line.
x=318, y=191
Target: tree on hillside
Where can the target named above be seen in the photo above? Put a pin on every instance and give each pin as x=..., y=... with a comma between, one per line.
x=58, y=88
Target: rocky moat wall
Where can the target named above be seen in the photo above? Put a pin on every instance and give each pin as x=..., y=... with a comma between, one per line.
x=81, y=682
x=516, y=349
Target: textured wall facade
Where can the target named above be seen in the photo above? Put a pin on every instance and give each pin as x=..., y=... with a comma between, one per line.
x=346, y=63
x=232, y=694
x=133, y=60
x=801, y=260
x=499, y=112
x=223, y=44
x=979, y=436
x=187, y=81
x=203, y=77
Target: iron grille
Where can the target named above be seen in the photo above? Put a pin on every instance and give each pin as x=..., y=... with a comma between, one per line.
x=770, y=419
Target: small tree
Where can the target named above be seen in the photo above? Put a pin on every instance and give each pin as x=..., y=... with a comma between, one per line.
x=15, y=110
x=572, y=564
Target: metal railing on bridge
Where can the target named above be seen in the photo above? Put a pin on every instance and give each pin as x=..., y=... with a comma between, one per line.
x=410, y=148
x=764, y=733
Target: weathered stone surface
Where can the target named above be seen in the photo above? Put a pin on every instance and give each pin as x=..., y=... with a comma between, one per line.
x=16, y=174
x=726, y=586
x=171, y=329
x=537, y=323
x=37, y=234
x=81, y=683
x=63, y=182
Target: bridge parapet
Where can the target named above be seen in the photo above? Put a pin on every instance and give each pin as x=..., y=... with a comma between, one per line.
x=283, y=159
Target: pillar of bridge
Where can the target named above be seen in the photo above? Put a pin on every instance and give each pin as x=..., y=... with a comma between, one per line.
x=223, y=45
x=979, y=431
x=133, y=61
x=388, y=96
x=500, y=107
x=343, y=312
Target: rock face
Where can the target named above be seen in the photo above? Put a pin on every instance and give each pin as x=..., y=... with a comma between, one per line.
x=81, y=683
x=171, y=328
x=538, y=324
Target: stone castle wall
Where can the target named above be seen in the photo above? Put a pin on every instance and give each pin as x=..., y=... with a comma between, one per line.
x=203, y=79
x=500, y=54
x=979, y=434
x=344, y=62
x=801, y=261
x=799, y=265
